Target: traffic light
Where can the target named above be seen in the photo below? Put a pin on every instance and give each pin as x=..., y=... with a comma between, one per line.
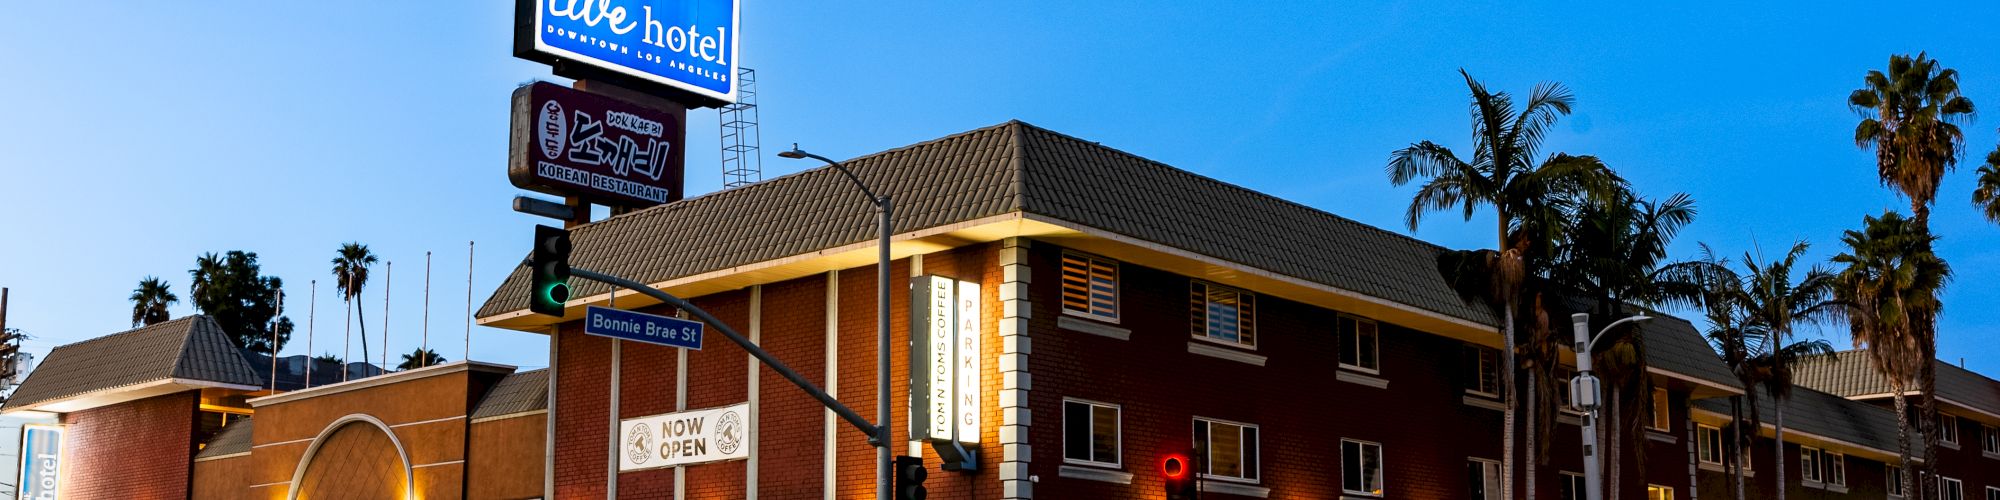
x=1179, y=473
x=548, y=265
x=909, y=478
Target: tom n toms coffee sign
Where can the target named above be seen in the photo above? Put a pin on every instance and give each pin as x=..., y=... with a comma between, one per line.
x=569, y=142
x=685, y=438
x=944, y=359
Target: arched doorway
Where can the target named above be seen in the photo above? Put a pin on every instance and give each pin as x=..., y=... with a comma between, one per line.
x=355, y=458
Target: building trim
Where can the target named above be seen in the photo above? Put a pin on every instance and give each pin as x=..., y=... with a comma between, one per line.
x=1693, y=380
x=1794, y=432
x=1094, y=474
x=1015, y=346
x=1354, y=377
x=220, y=457
x=830, y=458
x=423, y=422
x=1079, y=325
x=439, y=464
x=114, y=392
x=528, y=413
x=409, y=475
x=379, y=380
x=756, y=403
x=1909, y=394
x=1198, y=346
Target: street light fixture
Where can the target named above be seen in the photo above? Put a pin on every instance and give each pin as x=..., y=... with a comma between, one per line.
x=1587, y=394
x=882, y=410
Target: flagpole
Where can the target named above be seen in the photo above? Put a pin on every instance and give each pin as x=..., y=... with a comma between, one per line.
x=468, y=300
x=312, y=322
x=389, y=275
x=423, y=349
x=347, y=345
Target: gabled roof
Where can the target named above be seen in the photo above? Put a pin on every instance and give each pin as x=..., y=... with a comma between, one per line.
x=1826, y=416
x=518, y=393
x=190, y=352
x=1017, y=167
x=1850, y=374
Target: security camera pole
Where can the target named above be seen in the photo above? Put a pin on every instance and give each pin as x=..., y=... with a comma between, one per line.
x=1586, y=392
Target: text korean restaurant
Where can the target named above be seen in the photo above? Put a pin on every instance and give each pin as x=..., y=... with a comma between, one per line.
x=1102, y=312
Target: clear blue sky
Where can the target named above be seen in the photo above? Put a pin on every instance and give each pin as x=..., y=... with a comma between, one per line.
x=144, y=134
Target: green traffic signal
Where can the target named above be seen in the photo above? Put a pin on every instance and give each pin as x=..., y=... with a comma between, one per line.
x=548, y=265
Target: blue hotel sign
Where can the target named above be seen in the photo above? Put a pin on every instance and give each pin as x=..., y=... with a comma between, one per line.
x=689, y=45
x=642, y=327
x=41, y=463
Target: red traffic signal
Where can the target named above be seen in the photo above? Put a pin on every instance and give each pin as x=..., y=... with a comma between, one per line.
x=1179, y=475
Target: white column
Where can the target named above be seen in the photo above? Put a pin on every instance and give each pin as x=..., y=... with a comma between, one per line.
x=827, y=464
x=757, y=422
x=1015, y=418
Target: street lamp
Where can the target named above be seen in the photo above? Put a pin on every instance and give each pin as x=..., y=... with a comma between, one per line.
x=882, y=410
x=1587, y=393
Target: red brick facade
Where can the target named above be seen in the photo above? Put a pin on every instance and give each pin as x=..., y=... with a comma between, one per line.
x=137, y=450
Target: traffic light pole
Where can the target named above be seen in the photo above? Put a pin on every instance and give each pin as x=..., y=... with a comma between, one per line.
x=845, y=413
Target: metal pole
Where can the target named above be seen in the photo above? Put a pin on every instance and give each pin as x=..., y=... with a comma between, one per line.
x=347, y=343
x=424, y=348
x=468, y=305
x=1593, y=475
x=773, y=363
x=883, y=434
x=312, y=321
x=389, y=276
x=274, y=341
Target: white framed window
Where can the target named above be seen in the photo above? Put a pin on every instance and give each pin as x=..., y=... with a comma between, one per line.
x=1090, y=286
x=1572, y=487
x=1708, y=444
x=1091, y=433
x=1950, y=489
x=1564, y=400
x=1360, y=347
x=1989, y=440
x=1810, y=468
x=1993, y=493
x=1947, y=427
x=1485, y=365
x=1894, y=481
x=1228, y=449
x=1484, y=476
x=1657, y=492
x=1661, y=420
x=1224, y=315
x=1361, y=467
x=1836, y=469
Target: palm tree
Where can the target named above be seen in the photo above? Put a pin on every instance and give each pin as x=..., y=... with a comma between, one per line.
x=1734, y=339
x=350, y=272
x=420, y=358
x=1987, y=195
x=1774, y=303
x=207, y=273
x=1889, y=289
x=1502, y=173
x=150, y=301
x=1911, y=117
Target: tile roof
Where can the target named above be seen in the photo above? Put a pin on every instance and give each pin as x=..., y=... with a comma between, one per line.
x=1013, y=167
x=1825, y=415
x=1850, y=374
x=519, y=392
x=192, y=348
x=234, y=438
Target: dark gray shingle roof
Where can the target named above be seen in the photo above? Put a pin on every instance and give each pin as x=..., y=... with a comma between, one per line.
x=191, y=348
x=1826, y=415
x=233, y=439
x=1850, y=374
x=519, y=392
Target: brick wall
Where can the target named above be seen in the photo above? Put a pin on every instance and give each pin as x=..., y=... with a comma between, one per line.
x=137, y=450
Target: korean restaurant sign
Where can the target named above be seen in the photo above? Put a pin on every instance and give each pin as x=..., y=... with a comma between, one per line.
x=685, y=45
x=944, y=359
x=568, y=142
x=685, y=438
x=41, y=463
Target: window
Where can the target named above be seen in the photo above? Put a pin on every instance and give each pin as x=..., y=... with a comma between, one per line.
x=1809, y=465
x=1895, y=481
x=1358, y=347
x=1989, y=439
x=1572, y=487
x=1090, y=433
x=1708, y=441
x=1836, y=469
x=1564, y=401
x=1657, y=492
x=1484, y=476
x=1361, y=467
x=1947, y=427
x=1993, y=493
x=1229, y=449
x=1224, y=315
x=1661, y=411
x=1950, y=489
x=1090, y=286
x=1485, y=364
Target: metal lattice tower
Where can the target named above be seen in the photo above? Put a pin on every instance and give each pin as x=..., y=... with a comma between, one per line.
x=742, y=162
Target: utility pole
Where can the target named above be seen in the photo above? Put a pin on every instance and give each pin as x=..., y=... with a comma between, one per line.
x=1587, y=393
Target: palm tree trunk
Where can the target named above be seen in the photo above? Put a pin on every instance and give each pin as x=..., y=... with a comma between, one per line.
x=1533, y=452
x=1615, y=435
x=1779, y=444
x=1903, y=436
x=1507, y=396
x=1928, y=419
x=1736, y=437
x=364, y=340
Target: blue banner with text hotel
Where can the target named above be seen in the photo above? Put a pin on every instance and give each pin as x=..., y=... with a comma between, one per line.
x=687, y=44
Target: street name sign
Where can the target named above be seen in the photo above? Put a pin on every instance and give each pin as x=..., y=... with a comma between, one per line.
x=684, y=45
x=568, y=142
x=642, y=327
x=685, y=438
